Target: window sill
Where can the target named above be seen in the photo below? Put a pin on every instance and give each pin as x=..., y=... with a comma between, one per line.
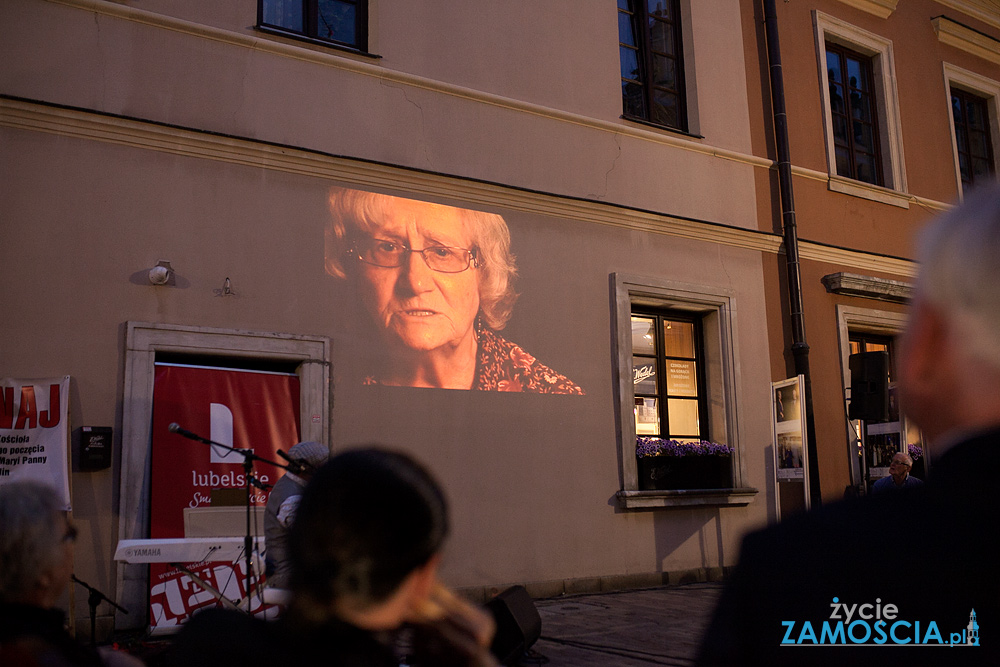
x=738, y=497
x=877, y=193
x=666, y=128
x=299, y=37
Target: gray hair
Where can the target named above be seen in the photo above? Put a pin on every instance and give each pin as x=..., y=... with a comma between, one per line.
x=905, y=458
x=960, y=272
x=31, y=533
x=354, y=212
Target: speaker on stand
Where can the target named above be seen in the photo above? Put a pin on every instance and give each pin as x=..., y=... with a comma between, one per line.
x=869, y=386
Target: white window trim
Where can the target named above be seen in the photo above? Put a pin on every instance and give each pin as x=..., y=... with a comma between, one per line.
x=880, y=8
x=966, y=39
x=980, y=86
x=830, y=29
x=718, y=307
x=143, y=341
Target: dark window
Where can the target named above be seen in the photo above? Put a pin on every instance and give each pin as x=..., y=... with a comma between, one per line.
x=668, y=376
x=649, y=40
x=972, y=135
x=343, y=22
x=854, y=115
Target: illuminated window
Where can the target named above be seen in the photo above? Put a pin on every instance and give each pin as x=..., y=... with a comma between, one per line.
x=676, y=357
x=667, y=371
x=340, y=22
x=652, y=69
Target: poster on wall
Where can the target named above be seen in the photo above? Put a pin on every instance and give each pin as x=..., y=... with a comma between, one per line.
x=435, y=289
x=239, y=408
x=791, y=464
x=34, y=432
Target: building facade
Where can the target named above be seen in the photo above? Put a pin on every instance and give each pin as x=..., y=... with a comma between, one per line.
x=892, y=115
x=626, y=150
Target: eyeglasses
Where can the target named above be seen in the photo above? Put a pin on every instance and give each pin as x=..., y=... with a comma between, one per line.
x=899, y=463
x=389, y=254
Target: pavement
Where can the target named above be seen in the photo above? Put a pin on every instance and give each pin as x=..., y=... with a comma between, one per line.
x=655, y=626
x=633, y=628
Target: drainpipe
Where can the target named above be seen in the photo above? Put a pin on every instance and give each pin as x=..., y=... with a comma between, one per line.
x=800, y=349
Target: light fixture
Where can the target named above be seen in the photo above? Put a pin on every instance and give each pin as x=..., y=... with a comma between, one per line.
x=226, y=290
x=161, y=273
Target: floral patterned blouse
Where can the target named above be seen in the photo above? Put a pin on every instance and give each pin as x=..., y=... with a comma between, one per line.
x=505, y=366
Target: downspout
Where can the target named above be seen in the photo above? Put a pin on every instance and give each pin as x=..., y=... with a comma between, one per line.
x=800, y=349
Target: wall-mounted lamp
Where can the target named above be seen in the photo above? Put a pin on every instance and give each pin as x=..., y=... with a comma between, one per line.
x=226, y=290
x=161, y=273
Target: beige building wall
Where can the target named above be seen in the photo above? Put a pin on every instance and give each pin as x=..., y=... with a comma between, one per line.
x=139, y=132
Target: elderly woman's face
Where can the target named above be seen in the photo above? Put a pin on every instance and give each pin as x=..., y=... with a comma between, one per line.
x=421, y=308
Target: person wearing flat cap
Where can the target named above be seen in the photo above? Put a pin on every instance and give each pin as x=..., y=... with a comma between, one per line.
x=281, y=506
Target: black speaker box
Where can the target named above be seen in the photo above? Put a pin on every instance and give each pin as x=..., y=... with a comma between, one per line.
x=869, y=386
x=518, y=624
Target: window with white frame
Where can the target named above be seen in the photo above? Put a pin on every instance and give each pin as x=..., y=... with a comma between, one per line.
x=860, y=111
x=676, y=384
x=973, y=103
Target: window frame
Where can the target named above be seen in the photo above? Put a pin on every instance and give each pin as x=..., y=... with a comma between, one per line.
x=844, y=54
x=982, y=87
x=660, y=315
x=309, y=30
x=644, y=58
x=716, y=308
x=967, y=98
x=880, y=52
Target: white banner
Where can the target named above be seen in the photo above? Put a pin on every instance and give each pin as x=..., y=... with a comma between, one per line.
x=34, y=432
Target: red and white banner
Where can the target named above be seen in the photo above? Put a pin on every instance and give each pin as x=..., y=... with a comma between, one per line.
x=34, y=432
x=242, y=409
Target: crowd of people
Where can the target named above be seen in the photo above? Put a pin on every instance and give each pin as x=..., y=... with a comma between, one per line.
x=369, y=525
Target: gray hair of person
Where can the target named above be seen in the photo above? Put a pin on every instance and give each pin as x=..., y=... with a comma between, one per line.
x=355, y=213
x=905, y=458
x=32, y=528
x=960, y=272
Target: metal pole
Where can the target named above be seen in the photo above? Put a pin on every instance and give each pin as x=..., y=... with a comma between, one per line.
x=800, y=349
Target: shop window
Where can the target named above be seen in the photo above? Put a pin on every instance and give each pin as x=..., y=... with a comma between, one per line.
x=666, y=366
x=676, y=387
x=652, y=67
x=339, y=22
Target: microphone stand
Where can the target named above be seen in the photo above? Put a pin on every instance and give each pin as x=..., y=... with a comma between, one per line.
x=94, y=599
x=248, y=458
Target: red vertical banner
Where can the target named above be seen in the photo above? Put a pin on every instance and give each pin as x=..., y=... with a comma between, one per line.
x=243, y=409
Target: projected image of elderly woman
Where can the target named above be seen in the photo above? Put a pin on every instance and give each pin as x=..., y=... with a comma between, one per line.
x=436, y=282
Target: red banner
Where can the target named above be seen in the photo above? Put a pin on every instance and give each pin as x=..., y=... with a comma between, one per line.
x=242, y=409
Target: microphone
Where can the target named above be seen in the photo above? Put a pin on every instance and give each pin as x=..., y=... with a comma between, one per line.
x=176, y=428
x=296, y=466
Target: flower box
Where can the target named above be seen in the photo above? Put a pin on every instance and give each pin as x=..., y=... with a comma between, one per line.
x=670, y=464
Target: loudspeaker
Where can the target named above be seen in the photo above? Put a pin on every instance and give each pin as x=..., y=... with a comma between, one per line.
x=518, y=624
x=869, y=386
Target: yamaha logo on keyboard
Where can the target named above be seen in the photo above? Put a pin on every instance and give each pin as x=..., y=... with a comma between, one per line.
x=138, y=552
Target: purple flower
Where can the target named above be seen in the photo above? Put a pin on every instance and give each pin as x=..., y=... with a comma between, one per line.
x=915, y=451
x=651, y=446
